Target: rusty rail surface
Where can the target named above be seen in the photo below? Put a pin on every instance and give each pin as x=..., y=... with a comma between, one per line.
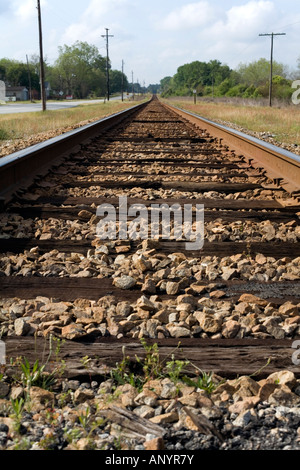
x=279, y=164
x=19, y=168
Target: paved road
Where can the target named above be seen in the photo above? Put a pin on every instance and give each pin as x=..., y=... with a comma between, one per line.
x=13, y=108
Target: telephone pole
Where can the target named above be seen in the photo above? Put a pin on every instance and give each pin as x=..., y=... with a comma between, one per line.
x=107, y=36
x=42, y=72
x=271, y=65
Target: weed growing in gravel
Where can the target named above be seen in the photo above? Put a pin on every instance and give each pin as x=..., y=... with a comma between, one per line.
x=84, y=418
x=154, y=367
x=122, y=375
x=151, y=364
x=73, y=435
x=85, y=361
x=22, y=444
x=64, y=398
x=87, y=425
x=37, y=375
x=175, y=369
x=17, y=408
x=29, y=376
x=204, y=382
x=49, y=442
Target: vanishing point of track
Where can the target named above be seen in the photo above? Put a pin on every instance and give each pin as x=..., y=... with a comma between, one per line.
x=232, y=305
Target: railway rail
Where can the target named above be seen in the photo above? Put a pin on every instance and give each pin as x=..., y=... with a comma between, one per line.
x=233, y=305
x=152, y=154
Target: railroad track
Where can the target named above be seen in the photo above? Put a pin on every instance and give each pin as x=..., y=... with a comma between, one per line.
x=233, y=305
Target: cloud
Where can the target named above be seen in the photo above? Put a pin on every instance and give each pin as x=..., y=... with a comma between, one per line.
x=235, y=36
x=244, y=20
x=98, y=15
x=189, y=16
x=236, y=21
x=26, y=10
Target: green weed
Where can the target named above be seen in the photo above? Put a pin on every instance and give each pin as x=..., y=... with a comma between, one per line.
x=204, y=382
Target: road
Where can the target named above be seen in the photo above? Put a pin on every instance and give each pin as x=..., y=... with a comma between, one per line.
x=13, y=108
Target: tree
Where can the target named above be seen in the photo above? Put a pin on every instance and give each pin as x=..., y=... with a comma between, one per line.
x=81, y=69
x=258, y=73
x=166, y=86
x=218, y=72
x=198, y=75
x=248, y=81
x=153, y=88
x=16, y=73
x=118, y=78
x=2, y=72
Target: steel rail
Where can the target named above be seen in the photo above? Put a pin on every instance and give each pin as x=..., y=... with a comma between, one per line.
x=280, y=165
x=20, y=168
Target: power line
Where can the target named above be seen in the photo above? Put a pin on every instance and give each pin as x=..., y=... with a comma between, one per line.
x=288, y=25
x=107, y=36
x=271, y=68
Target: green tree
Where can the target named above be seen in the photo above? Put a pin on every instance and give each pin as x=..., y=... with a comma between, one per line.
x=80, y=69
x=258, y=73
x=166, y=86
x=116, y=78
x=16, y=73
x=153, y=88
x=198, y=75
x=2, y=72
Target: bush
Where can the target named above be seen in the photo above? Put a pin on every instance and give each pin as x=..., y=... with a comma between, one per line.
x=250, y=92
x=237, y=90
x=224, y=87
x=282, y=92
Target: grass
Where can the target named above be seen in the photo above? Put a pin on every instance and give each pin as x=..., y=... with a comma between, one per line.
x=152, y=366
x=282, y=122
x=137, y=373
x=27, y=125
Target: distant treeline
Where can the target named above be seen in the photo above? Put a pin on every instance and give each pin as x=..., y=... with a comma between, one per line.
x=79, y=70
x=215, y=79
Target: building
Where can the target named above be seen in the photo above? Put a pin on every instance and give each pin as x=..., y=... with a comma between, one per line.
x=17, y=93
x=48, y=89
x=2, y=91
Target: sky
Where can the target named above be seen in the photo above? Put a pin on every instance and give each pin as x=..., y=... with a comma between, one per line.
x=155, y=37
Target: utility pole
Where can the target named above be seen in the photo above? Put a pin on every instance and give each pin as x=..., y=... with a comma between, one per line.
x=122, y=80
x=271, y=65
x=107, y=61
x=42, y=73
